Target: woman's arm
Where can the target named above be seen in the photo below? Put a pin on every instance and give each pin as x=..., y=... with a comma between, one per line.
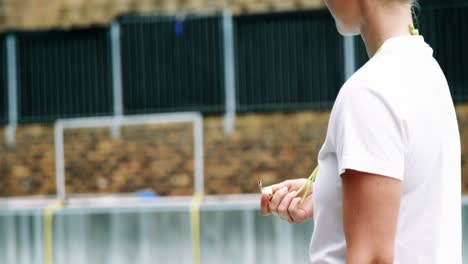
x=370, y=211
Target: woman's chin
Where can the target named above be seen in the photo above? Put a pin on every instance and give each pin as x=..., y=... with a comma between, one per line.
x=347, y=31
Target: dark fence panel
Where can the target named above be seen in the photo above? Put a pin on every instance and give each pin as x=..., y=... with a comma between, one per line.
x=63, y=74
x=3, y=80
x=288, y=61
x=284, y=62
x=172, y=65
x=360, y=52
x=445, y=29
x=442, y=3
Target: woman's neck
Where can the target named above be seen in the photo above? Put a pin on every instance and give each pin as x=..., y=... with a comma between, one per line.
x=383, y=21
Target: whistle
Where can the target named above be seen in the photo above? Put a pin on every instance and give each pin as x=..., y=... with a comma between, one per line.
x=267, y=190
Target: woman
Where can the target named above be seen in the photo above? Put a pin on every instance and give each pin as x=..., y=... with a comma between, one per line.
x=388, y=187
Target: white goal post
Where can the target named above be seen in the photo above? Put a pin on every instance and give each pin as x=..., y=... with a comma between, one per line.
x=194, y=118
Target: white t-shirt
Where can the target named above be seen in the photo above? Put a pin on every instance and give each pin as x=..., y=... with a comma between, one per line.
x=395, y=117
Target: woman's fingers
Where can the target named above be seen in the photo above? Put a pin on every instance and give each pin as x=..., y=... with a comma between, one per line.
x=266, y=198
x=265, y=205
x=284, y=206
x=276, y=187
x=277, y=198
x=285, y=203
x=301, y=212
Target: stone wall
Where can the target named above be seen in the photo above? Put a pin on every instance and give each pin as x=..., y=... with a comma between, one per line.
x=34, y=14
x=271, y=147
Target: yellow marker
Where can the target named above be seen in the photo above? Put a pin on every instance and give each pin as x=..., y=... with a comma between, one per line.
x=195, y=227
x=48, y=230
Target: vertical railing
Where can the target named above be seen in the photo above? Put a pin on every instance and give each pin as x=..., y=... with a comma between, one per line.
x=11, y=254
x=12, y=89
x=349, y=57
x=248, y=220
x=229, y=73
x=116, y=77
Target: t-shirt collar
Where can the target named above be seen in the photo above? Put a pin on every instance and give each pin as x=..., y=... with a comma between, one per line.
x=407, y=44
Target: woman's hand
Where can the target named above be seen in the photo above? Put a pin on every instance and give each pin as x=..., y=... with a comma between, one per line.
x=286, y=202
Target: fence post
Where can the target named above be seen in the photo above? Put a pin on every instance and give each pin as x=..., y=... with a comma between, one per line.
x=248, y=220
x=229, y=73
x=349, y=57
x=116, y=78
x=12, y=89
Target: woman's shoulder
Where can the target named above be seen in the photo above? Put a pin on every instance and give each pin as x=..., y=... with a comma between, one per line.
x=374, y=83
x=383, y=76
x=379, y=71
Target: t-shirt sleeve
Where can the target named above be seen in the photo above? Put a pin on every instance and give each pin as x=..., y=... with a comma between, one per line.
x=367, y=134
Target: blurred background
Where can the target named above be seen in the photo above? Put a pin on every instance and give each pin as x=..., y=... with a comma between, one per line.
x=116, y=115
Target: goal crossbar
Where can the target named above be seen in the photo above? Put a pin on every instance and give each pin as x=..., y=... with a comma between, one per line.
x=194, y=118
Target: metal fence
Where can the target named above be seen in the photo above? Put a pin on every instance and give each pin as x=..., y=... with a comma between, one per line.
x=172, y=64
x=288, y=61
x=63, y=74
x=152, y=231
x=282, y=62
x=445, y=29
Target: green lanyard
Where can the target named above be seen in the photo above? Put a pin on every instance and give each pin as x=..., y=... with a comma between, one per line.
x=308, y=184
